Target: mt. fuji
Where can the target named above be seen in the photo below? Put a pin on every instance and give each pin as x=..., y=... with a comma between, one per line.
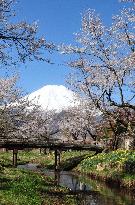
x=54, y=97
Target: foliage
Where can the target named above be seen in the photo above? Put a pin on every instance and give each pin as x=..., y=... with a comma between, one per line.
x=103, y=65
x=34, y=156
x=20, y=187
x=80, y=123
x=20, y=119
x=23, y=187
x=116, y=166
x=19, y=41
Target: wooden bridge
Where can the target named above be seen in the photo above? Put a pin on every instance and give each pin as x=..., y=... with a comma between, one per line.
x=57, y=147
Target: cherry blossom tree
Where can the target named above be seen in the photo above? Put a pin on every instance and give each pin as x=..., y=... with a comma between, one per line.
x=119, y=128
x=19, y=41
x=20, y=120
x=79, y=123
x=104, y=63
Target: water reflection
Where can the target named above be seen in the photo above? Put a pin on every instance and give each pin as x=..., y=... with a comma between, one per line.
x=87, y=191
x=91, y=192
x=68, y=180
x=29, y=166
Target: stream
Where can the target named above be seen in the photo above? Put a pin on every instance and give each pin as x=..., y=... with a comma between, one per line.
x=86, y=190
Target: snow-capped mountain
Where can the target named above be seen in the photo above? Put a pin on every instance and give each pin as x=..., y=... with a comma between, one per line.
x=54, y=97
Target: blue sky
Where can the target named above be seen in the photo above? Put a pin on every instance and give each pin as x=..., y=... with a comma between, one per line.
x=57, y=20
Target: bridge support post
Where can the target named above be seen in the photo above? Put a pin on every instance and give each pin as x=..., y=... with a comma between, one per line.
x=15, y=151
x=57, y=178
x=57, y=160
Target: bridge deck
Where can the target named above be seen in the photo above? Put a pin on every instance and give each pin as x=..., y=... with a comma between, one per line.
x=15, y=146
x=52, y=146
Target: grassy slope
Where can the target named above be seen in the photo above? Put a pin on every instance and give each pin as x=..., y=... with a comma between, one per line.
x=24, y=187
x=118, y=166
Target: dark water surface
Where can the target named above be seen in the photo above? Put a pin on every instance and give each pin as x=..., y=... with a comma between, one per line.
x=86, y=190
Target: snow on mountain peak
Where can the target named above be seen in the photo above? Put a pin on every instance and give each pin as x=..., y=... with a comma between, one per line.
x=54, y=97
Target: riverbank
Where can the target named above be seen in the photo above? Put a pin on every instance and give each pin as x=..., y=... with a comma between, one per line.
x=25, y=187
x=115, y=167
x=31, y=187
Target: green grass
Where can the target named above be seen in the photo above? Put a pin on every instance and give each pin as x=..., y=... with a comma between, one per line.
x=35, y=156
x=118, y=166
x=19, y=187
x=23, y=187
